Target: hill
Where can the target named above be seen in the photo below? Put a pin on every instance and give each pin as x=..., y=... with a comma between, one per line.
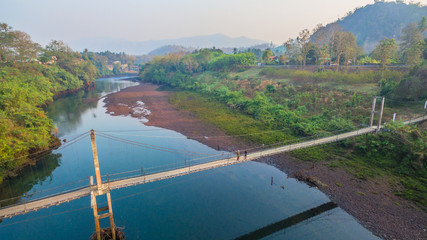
x=383, y=19
x=170, y=49
x=144, y=47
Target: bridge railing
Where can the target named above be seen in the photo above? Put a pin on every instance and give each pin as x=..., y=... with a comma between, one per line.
x=259, y=150
x=165, y=167
x=44, y=193
x=79, y=184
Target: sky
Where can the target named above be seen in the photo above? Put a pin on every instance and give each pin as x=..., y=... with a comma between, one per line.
x=139, y=20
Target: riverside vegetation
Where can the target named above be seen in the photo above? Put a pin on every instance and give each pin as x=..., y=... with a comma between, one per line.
x=285, y=104
x=30, y=76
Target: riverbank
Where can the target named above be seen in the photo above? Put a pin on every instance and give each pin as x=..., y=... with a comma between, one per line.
x=132, y=100
x=371, y=201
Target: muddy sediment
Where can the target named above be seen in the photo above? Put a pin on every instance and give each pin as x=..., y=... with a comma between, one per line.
x=371, y=202
x=160, y=113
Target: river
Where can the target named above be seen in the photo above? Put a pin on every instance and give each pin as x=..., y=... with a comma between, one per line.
x=222, y=203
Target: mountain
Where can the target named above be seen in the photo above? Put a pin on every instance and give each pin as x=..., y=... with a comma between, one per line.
x=383, y=19
x=170, y=49
x=143, y=47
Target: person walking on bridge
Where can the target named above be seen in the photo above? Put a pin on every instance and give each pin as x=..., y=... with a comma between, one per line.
x=246, y=154
x=238, y=155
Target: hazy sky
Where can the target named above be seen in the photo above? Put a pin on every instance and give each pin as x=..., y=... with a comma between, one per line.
x=138, y=20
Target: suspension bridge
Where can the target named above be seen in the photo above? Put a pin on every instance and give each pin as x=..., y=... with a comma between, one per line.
x=140, y=177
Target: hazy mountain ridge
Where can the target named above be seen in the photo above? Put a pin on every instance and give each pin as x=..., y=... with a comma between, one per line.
x=383, y=19
x=170, y=49
x=144, y=47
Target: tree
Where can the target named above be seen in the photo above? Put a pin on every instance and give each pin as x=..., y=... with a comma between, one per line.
x=203, y=58
x=422, y=24
x=293, y=51
x=58, y=49
x=284, y=59
x=24, y=48
x=6, y=39
x=303, y=41
x=385, y=51
x=190, y=64
x=412, y=42
x=266, y=55
x=324, y=38
x=116, y=68
x=343, y=45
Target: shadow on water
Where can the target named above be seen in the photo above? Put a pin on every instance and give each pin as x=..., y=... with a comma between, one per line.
x=288, y=222
x=13, y=190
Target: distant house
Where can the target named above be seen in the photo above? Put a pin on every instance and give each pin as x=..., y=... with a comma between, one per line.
x=273, y=59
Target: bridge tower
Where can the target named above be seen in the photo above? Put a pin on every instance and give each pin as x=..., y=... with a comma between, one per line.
x=373, y=112
x=98, y=190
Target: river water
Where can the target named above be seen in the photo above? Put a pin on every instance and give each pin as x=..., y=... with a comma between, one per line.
x=222, y=203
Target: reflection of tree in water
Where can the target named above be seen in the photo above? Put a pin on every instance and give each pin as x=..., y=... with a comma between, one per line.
x=27, y=178
x=114, y=86
x=66, y=112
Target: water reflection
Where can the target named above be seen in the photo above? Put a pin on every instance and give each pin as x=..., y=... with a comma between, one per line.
x=221, y=203
x=13, y=189
x=67, y=112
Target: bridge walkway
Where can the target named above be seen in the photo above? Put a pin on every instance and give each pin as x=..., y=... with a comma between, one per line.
x=142, y=179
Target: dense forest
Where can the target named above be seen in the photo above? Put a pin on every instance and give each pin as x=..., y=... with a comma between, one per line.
x=30, y=76
x=372, y=23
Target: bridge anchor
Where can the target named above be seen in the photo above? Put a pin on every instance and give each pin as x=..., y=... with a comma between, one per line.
x=373, y=112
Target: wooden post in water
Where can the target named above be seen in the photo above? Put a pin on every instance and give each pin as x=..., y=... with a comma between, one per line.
x=100, y=189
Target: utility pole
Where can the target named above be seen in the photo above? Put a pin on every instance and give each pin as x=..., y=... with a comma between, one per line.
x=98, y=190
x=373, y=112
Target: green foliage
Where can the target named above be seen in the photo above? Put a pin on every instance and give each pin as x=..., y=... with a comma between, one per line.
x=232, y=62
x=373, y=22
x=27, y=84
x=385, y=51
x=116, y=69
x=289, y=105
x=229, y=120
x=401, y=150
x=412, y=87
x=328, y=75
x=368, y=60
x=266, y=55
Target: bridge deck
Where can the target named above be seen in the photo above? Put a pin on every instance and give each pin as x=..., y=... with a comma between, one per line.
x=66, y=197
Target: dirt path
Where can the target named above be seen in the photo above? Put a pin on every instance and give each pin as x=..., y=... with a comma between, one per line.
x=371, y=202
